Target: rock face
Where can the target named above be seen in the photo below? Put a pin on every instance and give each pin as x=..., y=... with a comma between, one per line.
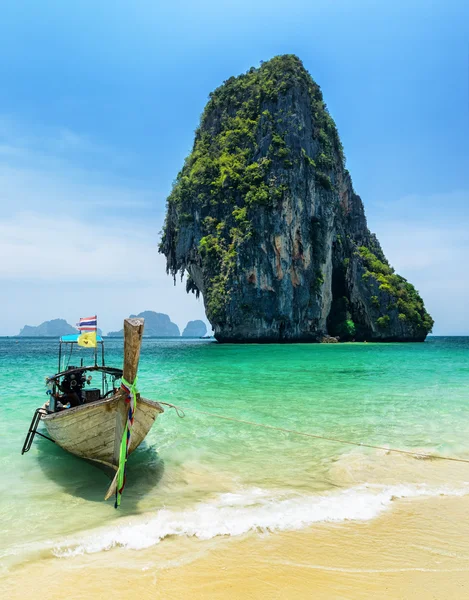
x=156, y=325
x=195, y=329
x=53, y=328
x=264, y=220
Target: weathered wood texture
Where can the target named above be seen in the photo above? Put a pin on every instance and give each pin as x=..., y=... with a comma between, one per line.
x=94, y=431
x=133, y=331
x=89, y=431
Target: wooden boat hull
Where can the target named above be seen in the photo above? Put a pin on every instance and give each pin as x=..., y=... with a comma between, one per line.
x=94, y=431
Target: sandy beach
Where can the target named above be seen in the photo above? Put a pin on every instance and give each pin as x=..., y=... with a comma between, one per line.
x=419, y=549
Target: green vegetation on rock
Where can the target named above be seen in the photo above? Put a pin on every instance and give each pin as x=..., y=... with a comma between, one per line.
x=264, y=221
x=405, y=297
x=225, y=174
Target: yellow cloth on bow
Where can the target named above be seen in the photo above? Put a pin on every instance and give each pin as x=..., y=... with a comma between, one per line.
x=87, y=339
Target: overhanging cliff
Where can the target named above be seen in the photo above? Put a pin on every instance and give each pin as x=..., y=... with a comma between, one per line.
x=264, y=220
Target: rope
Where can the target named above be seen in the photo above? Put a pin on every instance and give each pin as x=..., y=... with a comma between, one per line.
x=130, y=391
x=181, y=413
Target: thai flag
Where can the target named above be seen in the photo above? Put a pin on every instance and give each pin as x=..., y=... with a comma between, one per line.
x=88, y=324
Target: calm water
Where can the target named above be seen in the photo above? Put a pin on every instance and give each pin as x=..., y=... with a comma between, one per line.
x=207, y=477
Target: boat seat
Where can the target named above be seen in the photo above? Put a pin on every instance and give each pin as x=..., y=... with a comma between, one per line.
x=90, y=395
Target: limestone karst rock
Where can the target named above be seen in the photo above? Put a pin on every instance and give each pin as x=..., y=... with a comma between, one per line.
x=156, y=325
x=264, y=220
x=53, y=328
x=195, y=329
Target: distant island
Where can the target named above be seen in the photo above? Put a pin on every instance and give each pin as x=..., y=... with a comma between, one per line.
x=53, y=328
x=264, y=221
x=156, y=325
x=195, y=329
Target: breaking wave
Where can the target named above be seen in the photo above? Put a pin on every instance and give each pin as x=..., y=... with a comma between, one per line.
x=254, y=509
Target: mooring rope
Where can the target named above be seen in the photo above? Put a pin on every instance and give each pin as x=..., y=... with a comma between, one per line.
x=181, y=413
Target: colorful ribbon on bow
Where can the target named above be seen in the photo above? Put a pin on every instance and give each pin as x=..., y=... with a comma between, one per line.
x=130, y=390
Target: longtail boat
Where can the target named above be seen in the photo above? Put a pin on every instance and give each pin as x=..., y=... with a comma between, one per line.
x=102, y=424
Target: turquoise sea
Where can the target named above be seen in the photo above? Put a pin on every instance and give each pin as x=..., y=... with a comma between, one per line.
x=204, y=477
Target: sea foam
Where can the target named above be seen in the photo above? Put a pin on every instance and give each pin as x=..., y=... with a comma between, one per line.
x=254, y=509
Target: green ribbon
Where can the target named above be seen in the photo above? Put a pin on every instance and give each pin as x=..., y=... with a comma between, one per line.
x=123, y=454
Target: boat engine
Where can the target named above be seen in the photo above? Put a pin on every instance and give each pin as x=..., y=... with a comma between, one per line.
x=73, y=382
x=71, y=386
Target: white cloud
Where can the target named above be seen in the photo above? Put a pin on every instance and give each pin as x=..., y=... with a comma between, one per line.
x=50, y=248
x=75, y=239
x=415, y=246
x=48, y=146
x=426, y=239
x=70, y=191
x=56, y=267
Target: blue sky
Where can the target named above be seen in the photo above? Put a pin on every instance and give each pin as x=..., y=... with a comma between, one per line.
x=99, y=102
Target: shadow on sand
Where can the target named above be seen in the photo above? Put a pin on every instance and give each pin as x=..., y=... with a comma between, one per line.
x=81, y=478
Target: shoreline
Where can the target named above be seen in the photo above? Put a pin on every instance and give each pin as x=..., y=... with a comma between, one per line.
x=418, y=549
x=217, y=509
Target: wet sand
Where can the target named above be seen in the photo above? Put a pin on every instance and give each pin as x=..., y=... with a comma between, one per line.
x=419, y=549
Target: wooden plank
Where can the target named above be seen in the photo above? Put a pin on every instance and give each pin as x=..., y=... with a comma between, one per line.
x=92, y=436
x=133, y=331
x=79, y=437
x=79, y=421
